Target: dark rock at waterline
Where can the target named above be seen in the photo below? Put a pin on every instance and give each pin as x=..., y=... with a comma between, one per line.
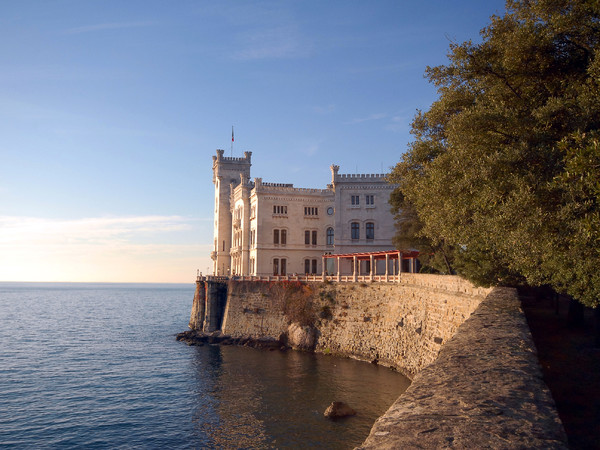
x=338, y=409
x=198, y=338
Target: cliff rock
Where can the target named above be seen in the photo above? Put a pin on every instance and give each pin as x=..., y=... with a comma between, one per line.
x=302, y=338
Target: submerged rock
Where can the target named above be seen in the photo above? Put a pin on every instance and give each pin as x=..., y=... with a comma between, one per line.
x=338, y=409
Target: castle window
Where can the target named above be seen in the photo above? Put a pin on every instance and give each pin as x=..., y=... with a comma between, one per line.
x=370, y=199
x=311, y=211
x=355, y=230
x=280, y=209
x=279, y=237
x=355, y=200
x=279, y=266
x=307, y=237
x=310, y=266
x=314, y=237
x=370, y=231
x=330, y=236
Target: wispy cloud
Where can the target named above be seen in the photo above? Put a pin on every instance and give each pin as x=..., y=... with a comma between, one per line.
x=311, y=149
x=369, y=69
x=108, y=26
x=92, y=230
x=327, y=109
x=370, y=118
x=272, y=43
x=397, y=123
x=142, y=248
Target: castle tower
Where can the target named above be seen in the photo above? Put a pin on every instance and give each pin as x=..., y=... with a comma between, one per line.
x=227, y=173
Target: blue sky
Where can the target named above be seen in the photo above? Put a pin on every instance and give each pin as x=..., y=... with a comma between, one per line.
x=110, y=112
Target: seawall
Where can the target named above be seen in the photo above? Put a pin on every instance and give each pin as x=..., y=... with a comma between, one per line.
x=476, y=378
x=399, y=325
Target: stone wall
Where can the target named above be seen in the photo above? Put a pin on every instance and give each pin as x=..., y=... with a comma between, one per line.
x=485, y=390
x=254, y=310
x=400, y=325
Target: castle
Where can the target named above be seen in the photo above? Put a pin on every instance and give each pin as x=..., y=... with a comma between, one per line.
x=276, y=229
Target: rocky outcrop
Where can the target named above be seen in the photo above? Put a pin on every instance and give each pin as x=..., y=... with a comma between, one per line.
x=301, y=338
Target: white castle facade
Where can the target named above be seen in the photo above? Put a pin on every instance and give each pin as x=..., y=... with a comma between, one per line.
x=265, y=229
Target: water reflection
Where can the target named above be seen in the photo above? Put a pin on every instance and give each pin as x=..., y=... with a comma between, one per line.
x=259, y=399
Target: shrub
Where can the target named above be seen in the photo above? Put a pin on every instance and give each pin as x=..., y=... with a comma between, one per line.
x=326, y=313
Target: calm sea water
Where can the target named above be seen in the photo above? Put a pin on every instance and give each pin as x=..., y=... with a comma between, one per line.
x=98, y=366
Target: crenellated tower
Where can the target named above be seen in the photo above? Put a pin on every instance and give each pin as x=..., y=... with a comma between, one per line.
x=227, y=173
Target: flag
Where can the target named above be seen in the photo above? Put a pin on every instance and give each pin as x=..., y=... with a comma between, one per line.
x=231, y=134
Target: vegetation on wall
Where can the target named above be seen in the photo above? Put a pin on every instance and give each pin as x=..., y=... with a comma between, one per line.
x=502, y=182
x=297, y=301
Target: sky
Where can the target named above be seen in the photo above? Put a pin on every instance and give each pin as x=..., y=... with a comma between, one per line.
x=110, y=112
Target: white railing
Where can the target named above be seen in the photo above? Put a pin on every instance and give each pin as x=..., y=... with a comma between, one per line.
x=305, y=278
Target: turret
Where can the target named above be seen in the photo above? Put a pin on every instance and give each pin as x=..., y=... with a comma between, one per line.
x=227, y=174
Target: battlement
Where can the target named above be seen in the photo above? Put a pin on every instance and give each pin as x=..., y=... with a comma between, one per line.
x=220, y=157
x=287, y=188
x=355, y=177
x=360, y=177
x=285, y=185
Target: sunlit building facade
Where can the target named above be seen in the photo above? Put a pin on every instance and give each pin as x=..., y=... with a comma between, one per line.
x=265, y=228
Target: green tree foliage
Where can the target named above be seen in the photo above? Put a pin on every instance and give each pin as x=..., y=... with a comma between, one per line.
x=504, y=171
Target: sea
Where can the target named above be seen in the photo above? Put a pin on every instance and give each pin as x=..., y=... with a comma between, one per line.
x=86, y=365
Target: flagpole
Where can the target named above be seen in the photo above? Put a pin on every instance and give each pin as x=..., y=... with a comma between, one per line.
x=232, y=140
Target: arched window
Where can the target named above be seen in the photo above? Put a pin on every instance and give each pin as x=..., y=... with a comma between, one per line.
x=330, y=236
x=370, y=230
x=355, y=230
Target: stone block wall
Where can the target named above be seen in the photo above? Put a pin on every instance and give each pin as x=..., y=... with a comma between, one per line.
x=399, y=325
x=253, y=311
x=402, y=325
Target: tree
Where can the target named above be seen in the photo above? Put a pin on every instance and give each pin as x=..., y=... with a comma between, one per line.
x=504, y=169
x=434, y=257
